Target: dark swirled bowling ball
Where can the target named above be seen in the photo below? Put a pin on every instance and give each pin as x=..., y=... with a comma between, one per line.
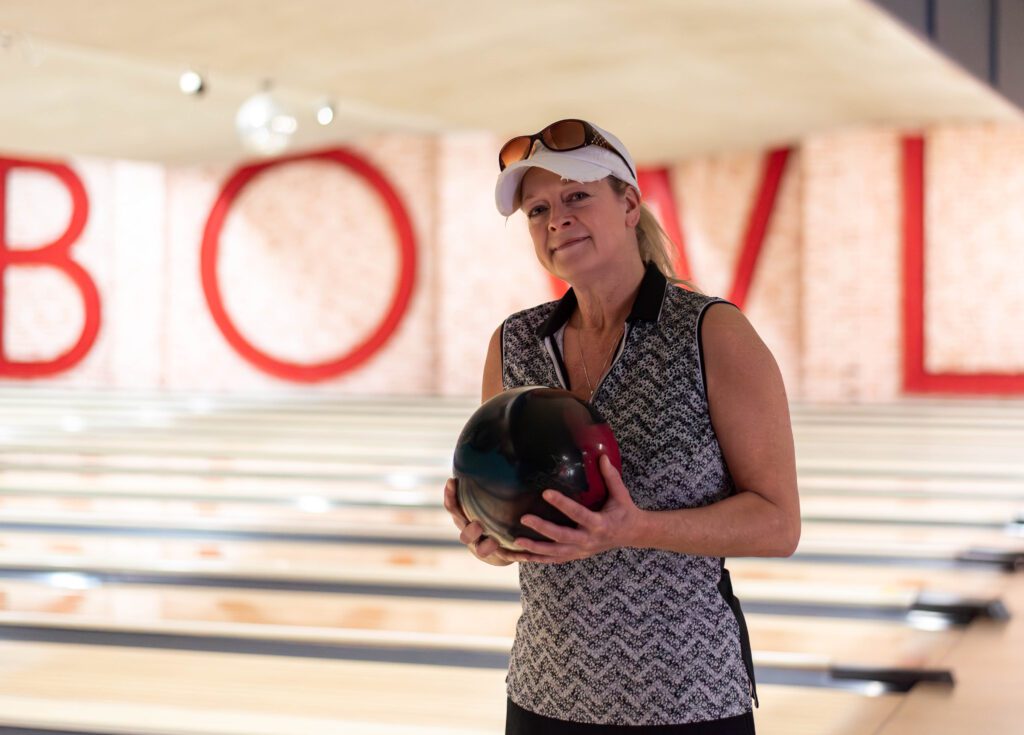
x=522, y=442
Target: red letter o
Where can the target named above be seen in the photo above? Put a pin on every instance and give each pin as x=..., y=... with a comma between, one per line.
x=396, y=309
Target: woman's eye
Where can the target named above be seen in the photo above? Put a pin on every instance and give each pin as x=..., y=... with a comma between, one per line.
x=535, y=211
x=578, y=196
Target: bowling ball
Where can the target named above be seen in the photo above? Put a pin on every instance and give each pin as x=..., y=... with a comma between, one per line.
x=522, y=442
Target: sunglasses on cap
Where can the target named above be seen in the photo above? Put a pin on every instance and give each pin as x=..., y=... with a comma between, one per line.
x=564, y=135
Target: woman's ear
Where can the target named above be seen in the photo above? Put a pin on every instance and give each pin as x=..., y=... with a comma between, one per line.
x=632, y=206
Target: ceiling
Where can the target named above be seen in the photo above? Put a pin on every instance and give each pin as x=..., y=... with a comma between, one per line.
x=672, y=78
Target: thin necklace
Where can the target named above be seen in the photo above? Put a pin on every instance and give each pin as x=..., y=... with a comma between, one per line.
x=579, y=347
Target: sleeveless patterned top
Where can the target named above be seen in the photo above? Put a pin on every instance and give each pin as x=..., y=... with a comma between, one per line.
x=634, y=636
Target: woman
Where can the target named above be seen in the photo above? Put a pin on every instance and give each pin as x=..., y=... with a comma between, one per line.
x=629, y=623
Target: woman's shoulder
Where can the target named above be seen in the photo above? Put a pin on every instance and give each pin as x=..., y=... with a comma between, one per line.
x=683, y=293
x=685, y=305
x=532, y=317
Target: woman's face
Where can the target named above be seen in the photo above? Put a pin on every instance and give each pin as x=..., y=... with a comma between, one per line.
x=579, y=228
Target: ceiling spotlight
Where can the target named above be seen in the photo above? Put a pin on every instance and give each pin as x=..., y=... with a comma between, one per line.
x=264, y=126
x=325, y=113
x=190, y=82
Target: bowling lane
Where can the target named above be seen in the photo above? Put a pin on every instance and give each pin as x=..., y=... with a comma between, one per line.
x=350, y=444
x=408, y=566
x=312, y=514
x=181, y=434
x=423, y=623
x=166, y=693
x=150, y=457
x=912, y=448
x=388, y=432
x=435, y=467
x=53, y=499
x=949, y=511
x=791, y=578
x=297, y=516
x=864, y=539
x=406, y=488
x=452, y=572
x=392, y=488
x=29, y=396
x=64, y=686
x=992, y=463
x=987, y=666
x=918, y=412
x=433, y=526
x=893, y=486
x=285, y=417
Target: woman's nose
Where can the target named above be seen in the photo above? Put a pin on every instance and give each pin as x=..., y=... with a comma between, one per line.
x=558, y=219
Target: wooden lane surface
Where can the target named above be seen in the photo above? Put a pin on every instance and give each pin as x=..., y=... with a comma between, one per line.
x=421, y=623
x=921, y=410
x=72, y=424
x=906, y=438
x=417, y=568
x=980, y=460
x=989, y=676
x=401, y=487
x=912, y=510
x=297, y=514
x=836, y=537
x=843, y=582
x=283, y=434
x=887, y=502
x=908, y=449
x=847, y=457
x=39, y=396
x=922, y=475
x=404, y=486
x=166, y=693
x=920, y=486
x=33, y=408
x=65, y=686
x=1000, y=474
x=434, y=471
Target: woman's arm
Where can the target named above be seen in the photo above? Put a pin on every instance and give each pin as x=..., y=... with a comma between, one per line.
x=491, y=384
x=750, y=415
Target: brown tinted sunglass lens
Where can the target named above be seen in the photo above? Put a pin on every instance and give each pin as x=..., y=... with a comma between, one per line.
x=565, y=135
x=515, y=150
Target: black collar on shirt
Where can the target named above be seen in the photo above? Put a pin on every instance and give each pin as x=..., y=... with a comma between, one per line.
x=646, y=305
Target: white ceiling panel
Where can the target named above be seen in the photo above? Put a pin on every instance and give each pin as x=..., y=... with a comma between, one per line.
x=672, y=78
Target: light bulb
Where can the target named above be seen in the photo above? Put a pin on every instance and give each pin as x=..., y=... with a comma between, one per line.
x=264, y=126
x=325, y=113
x=190, y=82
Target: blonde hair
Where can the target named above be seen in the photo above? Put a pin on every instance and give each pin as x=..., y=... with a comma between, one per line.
x=654, y=243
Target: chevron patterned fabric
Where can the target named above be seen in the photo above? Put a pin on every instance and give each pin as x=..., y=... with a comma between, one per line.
x=635, y=636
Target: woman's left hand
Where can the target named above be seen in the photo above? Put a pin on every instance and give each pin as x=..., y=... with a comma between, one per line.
x=618, y=523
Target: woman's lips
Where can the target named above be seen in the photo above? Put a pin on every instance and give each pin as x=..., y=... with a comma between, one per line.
x=569, y=244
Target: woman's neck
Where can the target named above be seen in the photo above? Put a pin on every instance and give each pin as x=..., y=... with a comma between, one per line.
x=604, y=303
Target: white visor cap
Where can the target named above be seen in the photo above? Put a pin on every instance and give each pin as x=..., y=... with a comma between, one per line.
x=590, y=163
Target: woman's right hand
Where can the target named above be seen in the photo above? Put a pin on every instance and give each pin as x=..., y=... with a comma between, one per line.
x=472, y=534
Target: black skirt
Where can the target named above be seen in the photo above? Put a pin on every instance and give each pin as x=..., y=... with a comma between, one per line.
x=519, y=721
